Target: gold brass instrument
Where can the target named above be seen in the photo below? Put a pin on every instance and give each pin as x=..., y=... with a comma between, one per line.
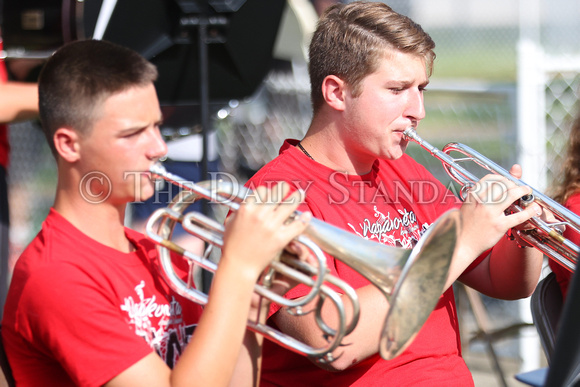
x=546, y=237
x=412, y=280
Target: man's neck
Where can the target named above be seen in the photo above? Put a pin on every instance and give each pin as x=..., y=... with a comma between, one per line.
x=325, y=146
x=102, y=222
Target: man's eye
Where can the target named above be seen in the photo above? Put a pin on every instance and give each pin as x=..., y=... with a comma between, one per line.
x=133, y=133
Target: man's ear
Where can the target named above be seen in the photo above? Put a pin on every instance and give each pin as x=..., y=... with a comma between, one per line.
x=334, y=92
x=66, y=143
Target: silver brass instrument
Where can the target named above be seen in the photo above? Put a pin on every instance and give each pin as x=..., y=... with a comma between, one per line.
x=546, y=237
x=160, y=226
x=411, y=280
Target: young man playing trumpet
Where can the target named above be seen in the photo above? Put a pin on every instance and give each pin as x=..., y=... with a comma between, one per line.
x=86, y=305
x=369, y=67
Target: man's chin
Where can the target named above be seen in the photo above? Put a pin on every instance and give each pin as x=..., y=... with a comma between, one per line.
x=144, y=194
x=397, y=152
x=403, y=145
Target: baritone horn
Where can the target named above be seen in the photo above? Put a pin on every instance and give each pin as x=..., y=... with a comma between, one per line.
x=411, y=280
x=546, y=237
x=160, y=226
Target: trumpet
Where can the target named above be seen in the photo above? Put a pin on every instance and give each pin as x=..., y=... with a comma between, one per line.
x=411, y=280
x=546, y=237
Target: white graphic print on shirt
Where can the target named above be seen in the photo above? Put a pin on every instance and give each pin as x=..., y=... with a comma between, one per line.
x=384, y=228
x=169, y=335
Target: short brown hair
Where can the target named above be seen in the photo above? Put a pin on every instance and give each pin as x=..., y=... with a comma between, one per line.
x=350, y=39
x=79, y=76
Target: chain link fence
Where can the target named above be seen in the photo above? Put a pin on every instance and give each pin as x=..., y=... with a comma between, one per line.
x=562, y=106
x=31, y=184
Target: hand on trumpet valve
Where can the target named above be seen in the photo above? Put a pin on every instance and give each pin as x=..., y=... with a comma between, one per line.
x=485, y=213
x=262, y=229
x=545, y=215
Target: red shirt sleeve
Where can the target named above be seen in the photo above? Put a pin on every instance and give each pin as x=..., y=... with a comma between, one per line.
x=563, y=275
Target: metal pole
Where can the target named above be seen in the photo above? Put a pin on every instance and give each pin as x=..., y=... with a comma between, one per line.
x=531, y=140
x=204, y=99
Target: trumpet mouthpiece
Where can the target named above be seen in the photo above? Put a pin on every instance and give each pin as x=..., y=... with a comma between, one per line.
x=409, y=133
x=158, y=169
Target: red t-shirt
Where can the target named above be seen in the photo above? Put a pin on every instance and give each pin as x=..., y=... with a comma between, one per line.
x=79, y=312
x=4, y=146
x=393, y=204
x=564, y=275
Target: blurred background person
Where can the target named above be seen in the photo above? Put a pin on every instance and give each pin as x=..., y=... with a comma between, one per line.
x=567, y=192
x=18, y=102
